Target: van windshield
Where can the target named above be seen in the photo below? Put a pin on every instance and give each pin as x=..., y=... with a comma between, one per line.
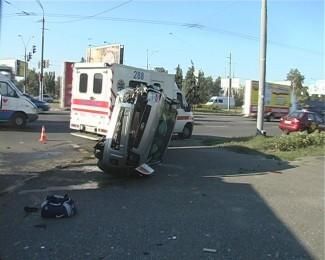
x=19, y=93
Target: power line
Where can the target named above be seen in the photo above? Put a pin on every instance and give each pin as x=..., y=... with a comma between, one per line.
x=160, y=22
x=97, y=14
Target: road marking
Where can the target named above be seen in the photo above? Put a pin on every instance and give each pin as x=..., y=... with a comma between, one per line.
x=86, y=136
x=92, y=185
x=193, y=147
x=17, y=185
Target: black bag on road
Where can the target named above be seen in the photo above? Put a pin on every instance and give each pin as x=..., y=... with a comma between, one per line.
x=56, y=206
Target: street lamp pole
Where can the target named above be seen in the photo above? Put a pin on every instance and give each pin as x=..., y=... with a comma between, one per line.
x=152, y=53
x=25, y=59
x=261, y=89
x=42, y=54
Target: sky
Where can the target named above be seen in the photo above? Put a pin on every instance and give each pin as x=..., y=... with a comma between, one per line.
x=172, y=33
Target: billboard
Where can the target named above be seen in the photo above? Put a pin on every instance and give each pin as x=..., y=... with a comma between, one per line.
x=276, y=95
x=20, y=68
x=112, y=53
x=66, y=86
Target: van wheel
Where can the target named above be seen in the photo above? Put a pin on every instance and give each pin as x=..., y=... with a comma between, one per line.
x=270, y=118
x=187, y=132
x=19, y=120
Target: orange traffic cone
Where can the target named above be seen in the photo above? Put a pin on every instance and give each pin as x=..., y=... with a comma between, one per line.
x=43, y=137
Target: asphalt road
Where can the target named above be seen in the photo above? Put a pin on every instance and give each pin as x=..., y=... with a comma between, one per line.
x=230, y=126
x=201, y=203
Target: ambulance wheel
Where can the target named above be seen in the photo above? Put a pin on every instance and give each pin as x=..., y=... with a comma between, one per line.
x=19, y=120
x=187, y=132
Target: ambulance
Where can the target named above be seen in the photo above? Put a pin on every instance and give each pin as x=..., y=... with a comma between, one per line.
x=94, y=91
x=15, y=108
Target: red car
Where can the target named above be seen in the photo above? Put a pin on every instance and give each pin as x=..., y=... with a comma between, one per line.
x=301, y=120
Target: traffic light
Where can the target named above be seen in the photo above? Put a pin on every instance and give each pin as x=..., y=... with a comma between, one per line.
x=29, y=56
x=34, y=49
x=20, y=68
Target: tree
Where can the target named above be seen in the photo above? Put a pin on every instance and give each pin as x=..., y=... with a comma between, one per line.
x=190, y=87
x=160, y=69
x=58, y=86
x=297, y=79
x=49, y=83
x=239, y=97
x=215, y=91
x=208, y=91
x=202, y=88
x=32, y=83
x=179, y=77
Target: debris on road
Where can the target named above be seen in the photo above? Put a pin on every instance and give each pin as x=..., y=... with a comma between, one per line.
x=209, y=250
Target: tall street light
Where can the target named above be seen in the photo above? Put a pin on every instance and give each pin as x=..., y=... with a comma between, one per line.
x=152, y=53
x=25, y=65
x=42, y=54
x=261, y=89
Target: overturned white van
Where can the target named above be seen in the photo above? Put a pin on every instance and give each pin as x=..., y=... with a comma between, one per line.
x=141, y=127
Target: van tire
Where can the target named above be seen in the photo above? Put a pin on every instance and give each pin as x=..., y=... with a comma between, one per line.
x=19, y=120
x=270, y=118
x=187, y=131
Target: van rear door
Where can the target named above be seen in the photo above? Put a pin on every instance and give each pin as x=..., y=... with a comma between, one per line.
x=91, y=106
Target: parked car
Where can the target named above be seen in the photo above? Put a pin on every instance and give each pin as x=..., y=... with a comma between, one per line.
x=301, y=120
x=46, y=98
x=41, y=105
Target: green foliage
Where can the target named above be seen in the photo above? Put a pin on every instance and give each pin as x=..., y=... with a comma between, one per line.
x=32, y=87
x=198, y=89
x=239, y=97
x=297, y=141
x=288, y=147
x=215, y=91
x=160, y=69
x=49, y=83
x=179, y=77
x=190, y=86
x=297, y=80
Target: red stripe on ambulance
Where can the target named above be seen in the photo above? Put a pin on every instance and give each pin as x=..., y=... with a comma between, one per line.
x=90, y=111
x=93, y=103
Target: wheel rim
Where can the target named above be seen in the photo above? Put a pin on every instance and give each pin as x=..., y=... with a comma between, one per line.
x=19, y=121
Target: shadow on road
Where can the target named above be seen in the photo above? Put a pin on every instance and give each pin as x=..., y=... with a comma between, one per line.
x=184, y=207
x=50, y=126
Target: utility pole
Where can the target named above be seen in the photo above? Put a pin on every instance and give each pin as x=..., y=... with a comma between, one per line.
x=229, y=86
x=261, y=90
x=42, y=55
x=25, y=59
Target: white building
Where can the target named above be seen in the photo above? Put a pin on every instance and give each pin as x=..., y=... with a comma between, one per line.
x=18, y=70
x=235, y=85
x=318, y=88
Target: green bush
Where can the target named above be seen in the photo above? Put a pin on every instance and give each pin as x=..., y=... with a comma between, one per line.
x=206, y=107
x=296, y=141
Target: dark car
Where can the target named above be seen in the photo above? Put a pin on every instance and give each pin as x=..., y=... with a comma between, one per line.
x=41, y=105
x=301, y=120
x=46, y=98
